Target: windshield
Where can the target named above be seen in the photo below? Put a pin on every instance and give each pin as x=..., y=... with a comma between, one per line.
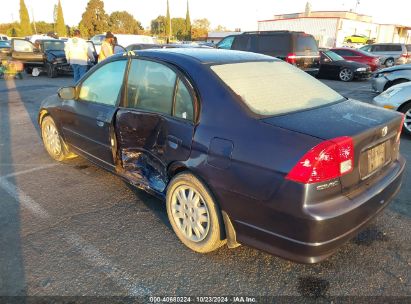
x=275, y=87
x=53, y=46
x=333, y=56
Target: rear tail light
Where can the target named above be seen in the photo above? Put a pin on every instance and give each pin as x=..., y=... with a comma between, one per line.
x=291, y=58
x=328, y=160
x=406, y=55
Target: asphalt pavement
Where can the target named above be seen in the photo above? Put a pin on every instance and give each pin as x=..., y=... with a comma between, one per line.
x=72, y=229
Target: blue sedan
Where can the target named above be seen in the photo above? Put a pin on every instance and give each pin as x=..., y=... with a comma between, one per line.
x=243, y=148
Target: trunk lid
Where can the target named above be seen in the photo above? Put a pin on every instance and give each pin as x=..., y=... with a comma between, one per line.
x=374, y=132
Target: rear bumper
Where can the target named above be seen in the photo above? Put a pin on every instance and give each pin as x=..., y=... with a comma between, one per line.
x=345, y=216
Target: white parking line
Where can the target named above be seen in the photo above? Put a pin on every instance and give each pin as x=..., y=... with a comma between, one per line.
x=24, y=200
x=119, y=276
x=28, y=171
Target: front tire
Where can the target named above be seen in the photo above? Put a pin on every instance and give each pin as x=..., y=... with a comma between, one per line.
x=346, y=75
x=389, y=62
x=51, y=71
x=407, y=121
x=52, y=140
x=194, y=215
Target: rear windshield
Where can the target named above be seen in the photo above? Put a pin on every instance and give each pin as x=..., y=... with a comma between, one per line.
x=306, y=43
x=274, y=87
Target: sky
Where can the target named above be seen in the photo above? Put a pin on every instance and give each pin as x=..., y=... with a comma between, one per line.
x=232, y=14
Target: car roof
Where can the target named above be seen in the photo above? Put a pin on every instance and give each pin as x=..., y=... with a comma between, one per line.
x=205, y=55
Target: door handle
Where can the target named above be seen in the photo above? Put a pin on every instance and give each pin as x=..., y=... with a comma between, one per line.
x=174, y=142
x=100, y=120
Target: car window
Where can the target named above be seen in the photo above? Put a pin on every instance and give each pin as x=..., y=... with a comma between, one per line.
x=241, y=42
x=306, y=43
x=274, y=87
x=184, y=103
x=226, y=43
x=150, y=86
x=23, y=46
x=345, y=52
x=366, y=48
x=408, y=46
x=394, y=48
x=273, y=43
x=53, y=46
x=103, y=86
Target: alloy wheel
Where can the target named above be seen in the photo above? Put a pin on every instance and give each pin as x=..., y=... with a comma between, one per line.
x=407, y=120
x=52, y=139
x=190, y=213
x=346, y=75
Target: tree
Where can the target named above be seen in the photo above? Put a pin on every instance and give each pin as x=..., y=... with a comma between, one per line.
x=94, y=20
x=61, y=29
x=188, y=24
x=25, y=26
x=200, y=28
x=124, y=23
x=158, y=26
x=168, y=22
x=221, y=28
x=44, y=27
x=178, y=26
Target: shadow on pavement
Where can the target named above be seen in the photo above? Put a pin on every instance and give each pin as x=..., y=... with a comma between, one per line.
x=12, y=273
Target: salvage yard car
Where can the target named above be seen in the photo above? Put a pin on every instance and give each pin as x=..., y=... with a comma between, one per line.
x=359, y=56
x=46, y=54
x=297, y=169
x=334, y=66
x=397, y=98
x=385, y=78
x=297, y=48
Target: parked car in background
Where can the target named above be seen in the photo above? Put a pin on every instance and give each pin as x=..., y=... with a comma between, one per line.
x=46, y=55
x=297, y=48
x=4, y=37
x=142, y=46
x=397, y=98
x=334, y=66
x=390, y=53
x=388, y=77
x=360, y=56
x=319, y=170
x=5, y=49
x=361, y=39
x=123, y=40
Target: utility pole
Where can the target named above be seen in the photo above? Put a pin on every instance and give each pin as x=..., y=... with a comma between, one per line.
x=34, y=21
x=357, y=2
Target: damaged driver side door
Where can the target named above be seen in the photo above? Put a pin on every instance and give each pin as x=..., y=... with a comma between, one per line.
x=155, y=125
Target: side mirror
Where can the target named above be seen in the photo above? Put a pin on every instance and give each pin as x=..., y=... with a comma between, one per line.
x=67, y=93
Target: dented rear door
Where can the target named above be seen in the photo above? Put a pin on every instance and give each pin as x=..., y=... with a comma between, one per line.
x=154, y=128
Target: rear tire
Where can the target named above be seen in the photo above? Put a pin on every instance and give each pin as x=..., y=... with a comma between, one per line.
x=51, y=70
x=53, y=142
x=349, y=41
x=406, y=109
x=346, y=75
x=194, y=215
x=28, y=70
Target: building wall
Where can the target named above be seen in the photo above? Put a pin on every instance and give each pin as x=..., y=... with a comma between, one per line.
x=353, y=27
x=330, y=32
x=323, y=29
